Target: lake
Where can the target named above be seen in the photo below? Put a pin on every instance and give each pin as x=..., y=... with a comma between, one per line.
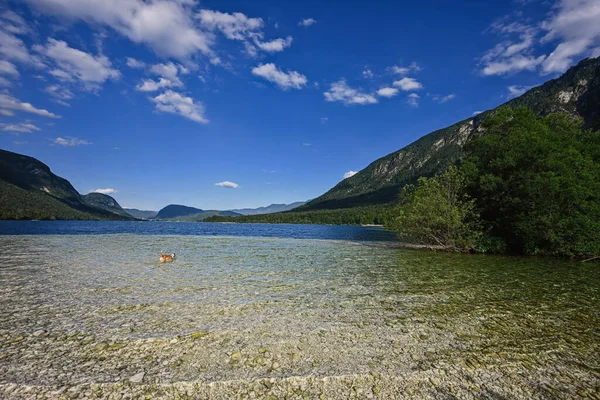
x=285, y=311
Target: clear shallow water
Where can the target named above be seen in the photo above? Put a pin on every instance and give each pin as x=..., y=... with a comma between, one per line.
x=343, y=318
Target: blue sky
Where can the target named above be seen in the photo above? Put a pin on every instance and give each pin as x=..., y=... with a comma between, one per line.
x=222, y=105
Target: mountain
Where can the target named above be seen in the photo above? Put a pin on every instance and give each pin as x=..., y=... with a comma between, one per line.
x=29, y=190
x=140, y=214
x=176, y=212
x=576, y=92
x=273, y=208
x=104, y=202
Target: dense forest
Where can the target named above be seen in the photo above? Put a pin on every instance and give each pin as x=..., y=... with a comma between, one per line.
x=530, y=185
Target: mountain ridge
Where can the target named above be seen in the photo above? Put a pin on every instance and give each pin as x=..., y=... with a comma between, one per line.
x=576, y=92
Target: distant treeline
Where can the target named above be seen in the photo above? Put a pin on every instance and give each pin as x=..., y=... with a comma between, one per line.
x=377, y=215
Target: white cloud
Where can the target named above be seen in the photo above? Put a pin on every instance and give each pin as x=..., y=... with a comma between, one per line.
x=575, y=24
x=149, y=85
x=59, y=92
x=169, y=71
x=274, y=46
x=367, y=74
x=477, y=112
x=413, y=67
x=350, y=174
x=175, y=103
x=285, y=80
x=7, y=102
x=408, y=84
x=307, y=22
x=104, y=191
x=89, y=69
x=14, y=23
x=136, y=64
x=19, y=127
x=8, y=68
x=443, y=99
x=413, y=100
x=236, y=26
x=72, y=142
x=517, y=90
x=387, y=92
x=227, y=184
x=165, y=26
x=340, y=91
x=6, y=113
x=307, y=144
x=14, y=49
x=324, y=119
x=5, y=82
x=513, y=64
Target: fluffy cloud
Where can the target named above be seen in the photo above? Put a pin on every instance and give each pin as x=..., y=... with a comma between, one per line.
x=6, y=113
x=14, y=49
x=274, y=46
x=60, y=94
x=136, y=64
x=104, y=191
x=517, y=90
x=408, y=84
x=367, y=74
x=149, y=85
x=14, y=23
x=175, y=103
x=350, y=174
x=413, y=100
x=90, y=70
x=169, y=71
x=413, y=67
x=340, y=91
x=167, y=27
x=227, y=184
x=7, y=68
x=443, y=99
x=575, y=24
x=387, y=92
x=72, y=142
x=285, y=80
x=19, y=127
x=234, y=26
x=307, y=22
x=7, y=102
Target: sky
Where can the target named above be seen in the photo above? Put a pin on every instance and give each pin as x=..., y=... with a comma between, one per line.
x=231, y=104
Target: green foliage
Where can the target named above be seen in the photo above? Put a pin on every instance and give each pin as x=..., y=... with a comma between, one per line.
x=438, y=212
x=17, y=203
x=346, y=216
x=536, y=181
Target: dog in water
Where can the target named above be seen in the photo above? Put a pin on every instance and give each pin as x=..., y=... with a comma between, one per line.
x=166, y=257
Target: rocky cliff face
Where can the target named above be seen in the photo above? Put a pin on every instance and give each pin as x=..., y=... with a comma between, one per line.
x=577, y=92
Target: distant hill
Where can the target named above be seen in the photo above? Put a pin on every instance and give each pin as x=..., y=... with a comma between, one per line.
x=29, y=190
x=273, y=208
x=104, y=202
x=176, y=212
x=576, y=92
x=141, y=214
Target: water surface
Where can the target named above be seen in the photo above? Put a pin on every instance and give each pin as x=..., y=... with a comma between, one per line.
x=292, y=312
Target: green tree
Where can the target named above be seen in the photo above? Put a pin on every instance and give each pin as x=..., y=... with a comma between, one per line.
x=437, y=212
x=537, y=182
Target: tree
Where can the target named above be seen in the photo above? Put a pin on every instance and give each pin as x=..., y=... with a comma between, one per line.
x=536, y=181
x=437, y=212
